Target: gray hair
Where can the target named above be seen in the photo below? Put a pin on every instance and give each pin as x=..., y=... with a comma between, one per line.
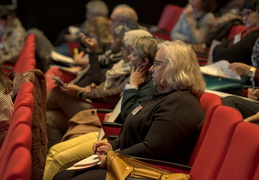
x=182, y=70
x=126, y=13
x=130, y=37
x=98, y=7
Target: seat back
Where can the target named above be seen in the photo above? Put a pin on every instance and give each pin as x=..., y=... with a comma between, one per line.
x=22, y=115
x=256, y=175
x=209, y=102
x=19, y=136
x=18, y=165
x=216, y=142
x=26, y=60
x=235, y=30
x=243, y=153
x=169, y=17
x=25, y=96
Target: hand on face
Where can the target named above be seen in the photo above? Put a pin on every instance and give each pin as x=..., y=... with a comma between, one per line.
x=138, y=74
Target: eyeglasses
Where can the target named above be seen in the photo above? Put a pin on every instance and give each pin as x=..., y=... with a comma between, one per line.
x=157, y=63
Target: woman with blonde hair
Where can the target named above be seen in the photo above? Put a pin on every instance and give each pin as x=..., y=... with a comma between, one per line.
x=165, y=127
x=6, y=109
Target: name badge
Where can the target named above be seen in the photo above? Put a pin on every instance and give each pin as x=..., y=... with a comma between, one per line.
x=136, y=110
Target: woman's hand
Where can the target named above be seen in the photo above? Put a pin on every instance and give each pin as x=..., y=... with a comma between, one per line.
x=70, y=89
x=138, y=74
x=89, y=88
x=253, y=94
x=90, y=43
x=103, y=164
x=254, y=118
x=101, y=148
x=80, y=60
x=239, y=68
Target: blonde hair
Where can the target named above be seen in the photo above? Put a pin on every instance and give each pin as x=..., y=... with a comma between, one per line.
x=99, y=25
x=130, y=37
x=182, y=70
x=146, y=47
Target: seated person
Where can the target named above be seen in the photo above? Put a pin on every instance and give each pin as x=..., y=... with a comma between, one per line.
x=249, y=109
x=195, y=22
x=12, y=36
x=98, y=28
x=6, y=109
x=59, y=111
x=141, y=59
x=240, y=48
x=93, y=8
x=174, y=112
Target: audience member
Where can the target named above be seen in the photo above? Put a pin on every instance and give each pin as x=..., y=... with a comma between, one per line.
x=240, y=48
x=121, y=15
x=141, y=59
x=59, y=111
x=12, y=36
x=195, y=22
x=249, y=109
x=98, y=28
x=6, y=110
x=175, y=111
x=72, y=33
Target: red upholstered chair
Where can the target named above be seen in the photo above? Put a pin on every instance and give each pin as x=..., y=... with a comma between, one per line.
x=256, y=175
x=26, y=99
x=25, y=96
x=209, y=102
x=235, y=30
x=168, y=19
x=26, y=60
x=22, y=115
x=19, y=136
x=18, y=165
x=242, y=156
x=216, y=143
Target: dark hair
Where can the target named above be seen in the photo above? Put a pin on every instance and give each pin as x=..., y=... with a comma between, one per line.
x=5, y=12
x=251, y=4
x=209, y=5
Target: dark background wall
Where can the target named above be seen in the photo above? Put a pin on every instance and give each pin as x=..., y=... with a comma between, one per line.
x=51, y=16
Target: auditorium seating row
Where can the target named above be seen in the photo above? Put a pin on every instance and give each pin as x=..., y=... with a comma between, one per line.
x=26, y=60
x=227, y=147
x=15, y=153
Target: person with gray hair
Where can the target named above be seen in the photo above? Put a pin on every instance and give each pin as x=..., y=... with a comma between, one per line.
x=174, y=112
x=72, y=33
x=79, y=98
x=122, y=14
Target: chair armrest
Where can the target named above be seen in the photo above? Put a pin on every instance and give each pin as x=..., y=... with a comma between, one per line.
x=104, y=110
x=202, y=54
x=112, y=124
x=170, y=166
x=111, y=130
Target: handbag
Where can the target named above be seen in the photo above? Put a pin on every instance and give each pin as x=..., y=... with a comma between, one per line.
x=121, y=167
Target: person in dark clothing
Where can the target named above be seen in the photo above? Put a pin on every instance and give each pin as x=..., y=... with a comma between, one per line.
x=174, y=112
x=144, y=52
x=240, y=48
